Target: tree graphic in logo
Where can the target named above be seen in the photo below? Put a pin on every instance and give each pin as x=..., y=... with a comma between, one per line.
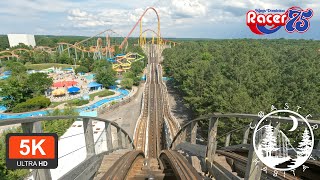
x=305, y=146
x=275, y=149
x=269, y=143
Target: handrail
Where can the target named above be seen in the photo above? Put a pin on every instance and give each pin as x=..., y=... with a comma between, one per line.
x=91, y=163
x=236, y=115
x=49, y=118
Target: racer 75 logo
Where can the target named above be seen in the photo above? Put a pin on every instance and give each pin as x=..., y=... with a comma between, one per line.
x=294, y=19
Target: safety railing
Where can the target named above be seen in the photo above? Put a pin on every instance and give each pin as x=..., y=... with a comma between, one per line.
x=224, y=134
x=95, y=150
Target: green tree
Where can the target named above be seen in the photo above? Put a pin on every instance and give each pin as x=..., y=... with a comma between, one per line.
x=127, y=83
x=59, y=126
x=9, y=174
x=38, y=83
x=14, y=91
x=16, y=68
x=98, y=64
x=106, y=76
x=81, y=69
x=87, y=62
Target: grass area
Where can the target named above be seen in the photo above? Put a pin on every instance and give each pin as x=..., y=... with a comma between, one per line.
x=78, y=102
x=55, y=104
x=103, y=93
x=47, y=65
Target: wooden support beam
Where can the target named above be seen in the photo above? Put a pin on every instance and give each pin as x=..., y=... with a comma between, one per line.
x=212, y=139
x=183, y=136
x=88, y=136
x=194, y=128
x=108, y=135
x=123, y=136
x=42, y=174
x=246, y=136
x=32, y=127
x=119, y=138
x=227, y=141
x=35, y=127
x=254, y=166
x=127, y=142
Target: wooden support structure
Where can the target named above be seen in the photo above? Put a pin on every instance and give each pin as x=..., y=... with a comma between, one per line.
x=246, y=136
x=123, y=136
x=127, y=142
x=194, y=128
x=108, y=135
x=253, y=167
x=35, y=127
x=68, y=51
x=88, y=136
x=119, y=138
x=75, y=51
x=212, y=139
x=183, y=136
x=227, y=141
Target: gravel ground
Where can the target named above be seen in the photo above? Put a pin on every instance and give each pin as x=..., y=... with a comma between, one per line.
x=126, y=116
x=178, y=109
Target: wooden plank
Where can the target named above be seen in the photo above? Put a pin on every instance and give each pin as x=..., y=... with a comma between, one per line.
x=35, y=127
x=88, y=136
x=246, y=136
x=194, y=128
x=86, y=169
x=119, y=135
x=219, y=172
x=253, y=167
x=227, y=141
x=108, y=136
x=212, y=139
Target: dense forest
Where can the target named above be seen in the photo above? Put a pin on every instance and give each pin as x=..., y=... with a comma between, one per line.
x=246, y=76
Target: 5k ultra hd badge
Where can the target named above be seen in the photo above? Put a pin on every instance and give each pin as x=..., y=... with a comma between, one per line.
x=32, y=150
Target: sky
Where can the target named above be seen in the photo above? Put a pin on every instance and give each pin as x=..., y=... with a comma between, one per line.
x=217, y=19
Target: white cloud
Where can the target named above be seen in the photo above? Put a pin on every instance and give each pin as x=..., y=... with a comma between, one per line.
x=90, y=16
x=188, y=8
x=78, y=13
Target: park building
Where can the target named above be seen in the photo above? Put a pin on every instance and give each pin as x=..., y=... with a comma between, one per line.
x=16, y=39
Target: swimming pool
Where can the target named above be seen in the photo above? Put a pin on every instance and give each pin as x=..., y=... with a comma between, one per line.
x=2, y=108
x=4, y=77
x=68, y=69
x=123, y=93
x=90, y=77
x=166, y=78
